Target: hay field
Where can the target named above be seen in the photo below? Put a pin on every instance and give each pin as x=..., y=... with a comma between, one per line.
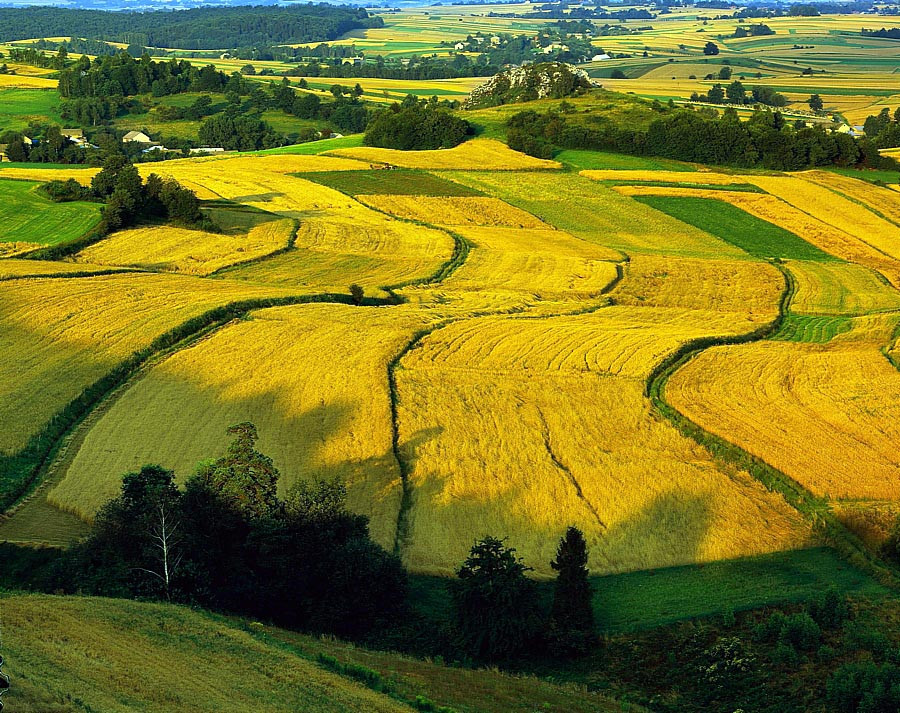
x=782, y=397
x=882, y=201
x=338, y=247
x=126, y=656
x=13, y=268
x=190, y=252
x=59, y=336
x=475, y=154
x=314, y=380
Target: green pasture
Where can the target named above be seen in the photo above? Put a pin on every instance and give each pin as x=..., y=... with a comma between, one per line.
x=758, y=237
x=405, y=183
x=19, y=107
x=28, y=217
x=651, y=598
x=581, y=160
x=316, y=147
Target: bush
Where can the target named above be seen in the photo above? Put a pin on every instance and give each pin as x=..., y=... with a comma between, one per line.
x=801, y=632
x=831, y=611
x=865, y=688
x=64, y=191
x=727, y=665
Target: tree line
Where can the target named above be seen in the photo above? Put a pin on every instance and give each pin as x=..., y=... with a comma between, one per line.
x=766, y=140
x=228, y=541
x=884, y=129
x=200, y=28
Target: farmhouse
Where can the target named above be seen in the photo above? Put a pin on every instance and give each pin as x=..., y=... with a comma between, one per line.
x=137, y=137
x=74, y=135
x=600, y=57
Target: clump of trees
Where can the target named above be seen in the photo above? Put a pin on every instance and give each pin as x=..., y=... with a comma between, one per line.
x=129, y=198
x=884, y=129
x=227, y=541
x=497, y=612
x=736, y=93
x=766, y=140
x=415, y=125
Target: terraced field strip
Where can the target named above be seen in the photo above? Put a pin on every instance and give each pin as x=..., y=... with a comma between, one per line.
x=839, y=288
x=881, y=200
x=395, y=182
x=190, y=252
x=475, y=154
x=593, y=212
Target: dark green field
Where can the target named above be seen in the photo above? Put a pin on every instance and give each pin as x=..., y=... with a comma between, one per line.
x=404, y=183
x=733, y=225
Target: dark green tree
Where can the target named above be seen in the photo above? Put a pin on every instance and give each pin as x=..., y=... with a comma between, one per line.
x=244, y=477
x=815, y=103
x=495, y=606
x=711, y=48
x=571, y=627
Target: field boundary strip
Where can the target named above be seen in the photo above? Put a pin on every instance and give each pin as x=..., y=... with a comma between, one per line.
x=80, y=273
x=818, y=510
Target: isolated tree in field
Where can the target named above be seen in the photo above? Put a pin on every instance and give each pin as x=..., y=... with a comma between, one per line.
x=736, y=93
x=356, y=294
x=244, y=477
x=815, y=103
x=571, y=629
x=711, y=48
x=494, y=602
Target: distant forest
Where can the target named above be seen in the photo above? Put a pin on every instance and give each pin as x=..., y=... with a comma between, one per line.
x=201, y=28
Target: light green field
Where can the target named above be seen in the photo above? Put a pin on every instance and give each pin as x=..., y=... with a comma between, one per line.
x=26, y=216
x=19, y=107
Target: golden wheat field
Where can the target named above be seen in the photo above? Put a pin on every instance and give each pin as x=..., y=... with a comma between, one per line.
x=337, y=247
x=529, y=452
x=453, y=211
x=477, y=154
x=12, y=249
x=703, y=177
x=58, y=336
x=190, y=252
x=772, y=397
x=882, y=200
x=13, y=268
x=313, y=378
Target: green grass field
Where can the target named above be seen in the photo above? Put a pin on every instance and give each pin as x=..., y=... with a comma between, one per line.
x=398, y=182
x=19, y=107
x=316, y=147
x=581, y=160
x=651, y=598
x=733, y=225
x=26, y=216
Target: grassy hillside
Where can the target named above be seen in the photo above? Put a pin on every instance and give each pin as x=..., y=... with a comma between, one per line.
x=74, y=654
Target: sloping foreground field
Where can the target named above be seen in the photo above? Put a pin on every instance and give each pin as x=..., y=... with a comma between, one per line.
x=314, y=380
x=28, y=217
x=74, y=654
x=190, y=252
x=59, y=336
x=71, y=654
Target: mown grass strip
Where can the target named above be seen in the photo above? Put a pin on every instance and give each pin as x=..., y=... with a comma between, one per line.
x=757, y=237
x=811, y=329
